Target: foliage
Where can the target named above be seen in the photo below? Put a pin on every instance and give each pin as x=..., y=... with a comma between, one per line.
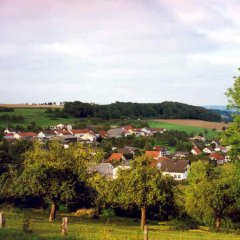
x=139, y=110
x=212, y=192
x=231, y=136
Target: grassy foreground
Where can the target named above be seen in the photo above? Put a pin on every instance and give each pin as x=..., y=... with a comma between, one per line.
x=102, y=229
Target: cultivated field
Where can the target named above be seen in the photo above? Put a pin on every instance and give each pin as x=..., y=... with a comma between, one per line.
x=29, y=106
x=112, y=228
x=196, y=123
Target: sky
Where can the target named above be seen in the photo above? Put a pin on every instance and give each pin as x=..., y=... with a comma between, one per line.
x=104, y=51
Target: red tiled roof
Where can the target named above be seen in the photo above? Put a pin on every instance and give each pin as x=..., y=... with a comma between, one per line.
x=27, y=134
x=153, y=154
x=115, y=156
x=102, y=133
x=197, y=150
x=9, y=134
x=82, y=131
x=128, y=127
x=63, y=132
x=216, y=156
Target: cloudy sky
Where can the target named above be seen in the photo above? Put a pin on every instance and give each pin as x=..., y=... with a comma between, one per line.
x=104, y=51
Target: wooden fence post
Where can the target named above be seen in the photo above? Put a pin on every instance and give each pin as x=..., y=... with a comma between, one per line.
x=145, y=232
x=64, y=226
x=2, y=220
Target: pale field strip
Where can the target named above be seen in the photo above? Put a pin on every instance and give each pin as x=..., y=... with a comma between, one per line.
x=195, y=123
x=29, y=106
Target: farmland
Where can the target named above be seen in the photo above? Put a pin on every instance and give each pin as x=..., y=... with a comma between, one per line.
x=37, y=115
x=105, y=228
x=188, y=126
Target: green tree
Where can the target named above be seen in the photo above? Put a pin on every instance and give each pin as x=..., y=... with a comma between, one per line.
x=212, y=192
x=142, y=186
x=231, y=137
x=52, y=172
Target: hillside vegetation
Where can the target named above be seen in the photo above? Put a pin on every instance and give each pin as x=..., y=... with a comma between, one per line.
x=171, y=110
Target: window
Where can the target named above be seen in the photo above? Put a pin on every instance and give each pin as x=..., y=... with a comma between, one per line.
x=179, y=176
x=175, y=176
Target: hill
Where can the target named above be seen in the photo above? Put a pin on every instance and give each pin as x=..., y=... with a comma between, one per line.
x=170, y=110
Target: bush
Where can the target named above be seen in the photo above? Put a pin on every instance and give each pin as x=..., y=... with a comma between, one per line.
x=27, y=224
x=108, y=212
x=183, y=224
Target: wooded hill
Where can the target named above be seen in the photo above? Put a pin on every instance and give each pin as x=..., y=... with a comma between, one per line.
x=171, y=110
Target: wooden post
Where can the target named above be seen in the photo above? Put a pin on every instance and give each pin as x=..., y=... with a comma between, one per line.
x=64, y=226
x=2, y=220
x=145, y=232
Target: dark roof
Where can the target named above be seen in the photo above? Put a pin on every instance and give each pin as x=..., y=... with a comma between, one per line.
x=171, y=165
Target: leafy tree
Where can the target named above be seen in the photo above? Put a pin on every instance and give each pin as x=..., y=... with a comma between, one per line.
x=53, y=173
x=141, y=186
x=212, y=192
x=231, y=136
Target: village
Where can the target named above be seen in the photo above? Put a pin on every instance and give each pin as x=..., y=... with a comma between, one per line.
x=175, y=164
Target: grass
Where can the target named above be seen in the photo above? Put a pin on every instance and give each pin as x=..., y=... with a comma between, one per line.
x=38, y=115
x=115, y=228
x=187, y=129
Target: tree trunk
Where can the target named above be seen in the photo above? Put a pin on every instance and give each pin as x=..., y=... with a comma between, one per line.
x=218, y=223
x=143, y=217
x=53, y=211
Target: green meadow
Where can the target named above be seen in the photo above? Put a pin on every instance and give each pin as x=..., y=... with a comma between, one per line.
x=37, y=115
x=112, y=228
x=187, y=129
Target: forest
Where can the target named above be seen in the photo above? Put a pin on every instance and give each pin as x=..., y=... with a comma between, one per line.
x=171, y=110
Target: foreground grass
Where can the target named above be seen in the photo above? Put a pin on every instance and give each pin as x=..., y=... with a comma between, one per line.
x=96, y=229
x=187, y=129
x=37, y=115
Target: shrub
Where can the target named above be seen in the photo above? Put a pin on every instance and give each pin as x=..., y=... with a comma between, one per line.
x=108, y=212
x=183, y=224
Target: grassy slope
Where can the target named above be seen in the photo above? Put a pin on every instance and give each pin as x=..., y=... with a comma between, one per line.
x=37, y=115
x=104, y=229
x=188, y=129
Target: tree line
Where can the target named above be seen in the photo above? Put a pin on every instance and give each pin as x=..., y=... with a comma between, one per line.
x=172, y=110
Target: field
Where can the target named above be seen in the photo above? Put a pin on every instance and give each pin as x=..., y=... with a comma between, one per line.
x=29, y=106
x=175, y=124
x=38, y=115
x=196, y=123
x=114, y=228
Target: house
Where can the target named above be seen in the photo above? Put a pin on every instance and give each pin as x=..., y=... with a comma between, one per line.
x=84, y=134
x=180, y=155
x=198, y=138
x=220, y=158
x=116, y=132
x=105, y=169
x=158, y=162
x=178, y=169
x=196, y=151
x=116, y=170
x=25, y=135
x=147, y=131
x=102, y=134
x=154, y=154
x=60, y=126
x=46, y=134
x=62, y=132
x=220, y=149
x=127, y=150
x=208, y=150
x=128, y=130
x=158, y=130
x=116, y=157
x=164, y=151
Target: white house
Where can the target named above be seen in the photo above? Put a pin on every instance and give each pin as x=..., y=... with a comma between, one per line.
x=178, y=169
x=84, y=134
x=208, y=150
